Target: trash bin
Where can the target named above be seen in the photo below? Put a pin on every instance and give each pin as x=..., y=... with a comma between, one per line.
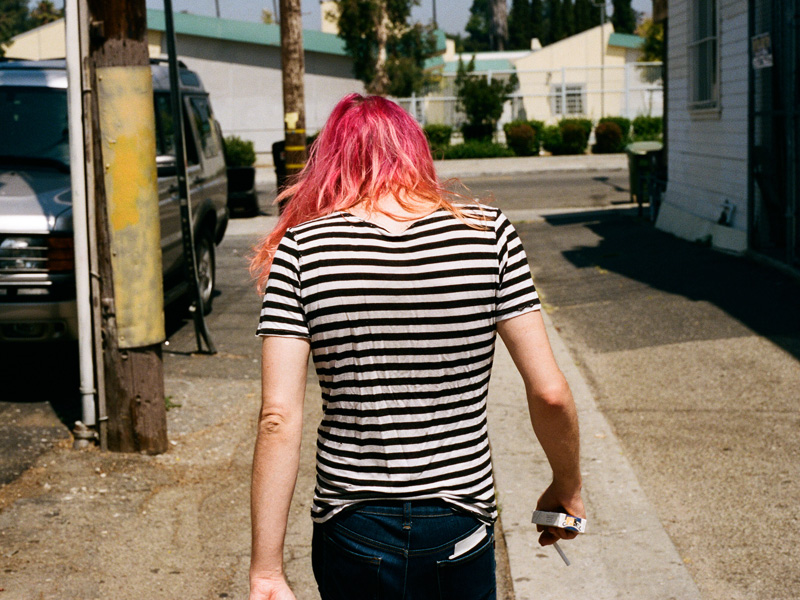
x=643, y=160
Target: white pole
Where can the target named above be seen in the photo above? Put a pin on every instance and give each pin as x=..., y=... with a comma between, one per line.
x=79, y=220
x=563, y=91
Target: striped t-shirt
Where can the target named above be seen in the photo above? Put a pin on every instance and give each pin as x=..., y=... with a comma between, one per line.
x=402, y=330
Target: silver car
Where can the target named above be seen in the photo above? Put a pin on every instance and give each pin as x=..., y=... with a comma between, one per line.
x=37, y=282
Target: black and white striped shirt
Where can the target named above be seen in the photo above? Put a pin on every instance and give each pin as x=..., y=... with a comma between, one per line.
x=402, y=330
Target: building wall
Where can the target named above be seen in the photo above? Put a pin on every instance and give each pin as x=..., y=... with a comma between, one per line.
x=576, y=60
x=708, y=150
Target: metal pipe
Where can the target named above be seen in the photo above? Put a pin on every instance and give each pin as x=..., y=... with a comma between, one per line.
x=79, y=211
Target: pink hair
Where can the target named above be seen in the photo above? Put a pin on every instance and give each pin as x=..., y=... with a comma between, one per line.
x=369, y=148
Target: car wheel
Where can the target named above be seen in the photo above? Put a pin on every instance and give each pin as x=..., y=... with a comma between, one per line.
x=206, y=268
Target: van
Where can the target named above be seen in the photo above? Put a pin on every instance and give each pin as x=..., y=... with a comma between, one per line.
x=37, y=279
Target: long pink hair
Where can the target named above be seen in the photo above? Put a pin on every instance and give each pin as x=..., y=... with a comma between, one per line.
x=369, y=148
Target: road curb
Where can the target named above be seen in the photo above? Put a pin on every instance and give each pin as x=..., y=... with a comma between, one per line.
x=626, y=553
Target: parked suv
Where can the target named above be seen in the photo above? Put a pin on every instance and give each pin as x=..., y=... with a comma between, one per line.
x=37, y=280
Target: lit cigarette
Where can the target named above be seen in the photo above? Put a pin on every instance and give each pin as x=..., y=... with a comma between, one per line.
x=561, y=553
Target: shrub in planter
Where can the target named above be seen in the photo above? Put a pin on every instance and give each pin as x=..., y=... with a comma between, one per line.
x=647, y=128
x=240, y=155
x=239, y=152
x=609, y=138
x=477, y=149
x=521, y=138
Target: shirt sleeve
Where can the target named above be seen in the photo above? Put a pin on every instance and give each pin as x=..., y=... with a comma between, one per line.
x=282, y=312
x=516, y=293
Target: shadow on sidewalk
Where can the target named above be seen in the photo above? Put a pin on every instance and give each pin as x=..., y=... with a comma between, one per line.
x=761, y=298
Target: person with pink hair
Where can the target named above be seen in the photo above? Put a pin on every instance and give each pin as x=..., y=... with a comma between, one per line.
x=397, y=290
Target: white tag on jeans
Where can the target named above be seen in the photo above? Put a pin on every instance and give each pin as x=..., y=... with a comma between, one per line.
x=469, y=543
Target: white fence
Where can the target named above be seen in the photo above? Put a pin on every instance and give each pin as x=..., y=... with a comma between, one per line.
x=552, y=94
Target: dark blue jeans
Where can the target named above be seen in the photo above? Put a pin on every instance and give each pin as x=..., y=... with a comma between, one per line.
x=404, y=551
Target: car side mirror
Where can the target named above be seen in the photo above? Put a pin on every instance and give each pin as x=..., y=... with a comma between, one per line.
x=166, y=165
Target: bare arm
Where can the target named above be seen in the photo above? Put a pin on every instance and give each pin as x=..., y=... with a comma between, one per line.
x=553, y=415
x=284, y=363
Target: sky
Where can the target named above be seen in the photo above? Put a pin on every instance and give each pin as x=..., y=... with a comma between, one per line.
x=452, y=15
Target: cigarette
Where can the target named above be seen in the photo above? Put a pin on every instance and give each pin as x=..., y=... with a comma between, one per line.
x=561, y=553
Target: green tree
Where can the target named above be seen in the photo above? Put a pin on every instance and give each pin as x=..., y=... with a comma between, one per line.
x=43, y=13
x=653, y=34
x=388, y=54
x=481, y=100
x=554, y=22
x=584, y=15
x=519, y=25
x=624, y=17
x=13, y=20
x=537, y=20
x=478, y=27
x=568, y=16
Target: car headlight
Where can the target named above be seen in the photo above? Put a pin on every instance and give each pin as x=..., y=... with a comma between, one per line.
x=37, y=253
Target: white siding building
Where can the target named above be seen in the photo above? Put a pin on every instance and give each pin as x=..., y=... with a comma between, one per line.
x=733, y=125
x=707, y=124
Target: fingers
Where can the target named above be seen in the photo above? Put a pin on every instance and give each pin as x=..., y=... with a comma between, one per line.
x=551, y=535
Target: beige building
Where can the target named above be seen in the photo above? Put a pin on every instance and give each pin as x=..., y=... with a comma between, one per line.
x=592, y=74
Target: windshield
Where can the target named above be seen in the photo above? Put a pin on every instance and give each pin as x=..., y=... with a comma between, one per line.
x=34, y=124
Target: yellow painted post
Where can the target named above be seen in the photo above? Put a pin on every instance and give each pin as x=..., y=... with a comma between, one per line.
x=128, y=236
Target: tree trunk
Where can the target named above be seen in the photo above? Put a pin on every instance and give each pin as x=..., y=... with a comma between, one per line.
x=380, y=83
x=293, y=64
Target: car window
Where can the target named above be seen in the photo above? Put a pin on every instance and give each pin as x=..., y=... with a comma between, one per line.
x=204, y=122
x=165, y=138
x=34, y=123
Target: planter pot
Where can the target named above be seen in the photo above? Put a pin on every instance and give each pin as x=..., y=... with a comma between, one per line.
x=242, y=190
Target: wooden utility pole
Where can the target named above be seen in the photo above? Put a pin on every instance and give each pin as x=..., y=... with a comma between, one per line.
x=293, y=64
x=128, y=234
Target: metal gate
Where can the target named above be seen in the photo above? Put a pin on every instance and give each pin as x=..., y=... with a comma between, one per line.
x=775, y=128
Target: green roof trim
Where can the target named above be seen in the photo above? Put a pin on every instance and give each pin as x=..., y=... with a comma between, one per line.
x=625, y=40
x=243, y=31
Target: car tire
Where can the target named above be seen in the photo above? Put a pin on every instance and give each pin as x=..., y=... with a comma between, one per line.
x=205, y=253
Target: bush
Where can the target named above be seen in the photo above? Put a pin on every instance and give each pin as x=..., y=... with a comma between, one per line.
x=609, y=138
x=536, y=126
x=647, y=128
x=570, y=136
x=624, y=126
x=551, y=138
x=238, y=152
x=521, y=139
x=477, y=149
x=477, y=132
x=584, y=124
x=438, y=135
x=574, y=138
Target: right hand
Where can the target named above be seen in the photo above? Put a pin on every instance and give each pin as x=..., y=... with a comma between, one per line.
x=556, y=500
x=270, y=588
